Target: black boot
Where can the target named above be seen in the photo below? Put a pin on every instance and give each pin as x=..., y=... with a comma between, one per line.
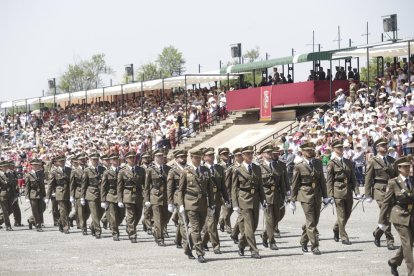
x=336, y=236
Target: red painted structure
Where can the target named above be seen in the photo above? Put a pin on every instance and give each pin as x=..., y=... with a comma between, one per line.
x=309, y=92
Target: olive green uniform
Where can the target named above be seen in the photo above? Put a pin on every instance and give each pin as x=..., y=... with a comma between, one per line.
x=82, y=212
x=35, y=191
x=226, y=211
x=6, y=193
x=109, y=194
x=173, y=181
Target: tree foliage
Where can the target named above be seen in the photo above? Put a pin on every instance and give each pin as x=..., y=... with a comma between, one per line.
x=373, y=66
x=148, y=71
x=171, y=62
x=252, y=54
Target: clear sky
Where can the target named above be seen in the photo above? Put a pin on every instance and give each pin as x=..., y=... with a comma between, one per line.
x=38, y=39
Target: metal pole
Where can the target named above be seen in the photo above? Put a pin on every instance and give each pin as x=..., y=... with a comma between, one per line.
x=122, y=100
x=142, y=94
x=103, y=94
x=330, y=83
x=26, y=114
x=293, y=70
x=408, y=70
x=132, y=69
x=368, y=67
x=186, y=103
x=54, y=96
x=228, y=82
x=86, y=103
x=162, y=95
x=254, y=78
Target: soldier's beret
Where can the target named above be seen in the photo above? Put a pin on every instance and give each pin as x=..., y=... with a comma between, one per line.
x=208, y=151
x=158, y=152
x=113, y=156
x=36, y=162
x=248, y=149
x=195, y=152
x=178, y=153
x=201, y=149
x=337, y=144
x=404, y=161
x=308, y=146
x=237, y=151
x=145, y=155
x=131, y=153
x=223, y=150
x=381, y=141
x=266, y=148
x=94, y=155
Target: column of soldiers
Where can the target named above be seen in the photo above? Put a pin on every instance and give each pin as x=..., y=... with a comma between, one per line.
x=197, y=192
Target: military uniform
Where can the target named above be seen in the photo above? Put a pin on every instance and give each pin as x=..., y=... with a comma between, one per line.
x=397, y=208
x=378, y=173
x=147, y=220
x=35, y=192
x=6, y=192
x=131, y=181
x=195, y=195
x=15, y=208
x=82, y=211
x=60, y=182
x=54, y=205
x=109, y=195
x=247, y=194
x=156, y=194
x=281, y=171
x=274, y=188
x=226, y=211
x=341, y=183
x=308, y=187
x=220, y=196
x=235, y=231
x=90, y=191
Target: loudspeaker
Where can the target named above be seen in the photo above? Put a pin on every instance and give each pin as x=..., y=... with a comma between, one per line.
x=390, y=24
x=235, y=51
x=51, y=84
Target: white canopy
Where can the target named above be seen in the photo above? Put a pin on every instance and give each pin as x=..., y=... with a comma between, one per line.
x=388, y=50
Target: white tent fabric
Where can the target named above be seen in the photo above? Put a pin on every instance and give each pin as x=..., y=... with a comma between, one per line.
x=388, y=50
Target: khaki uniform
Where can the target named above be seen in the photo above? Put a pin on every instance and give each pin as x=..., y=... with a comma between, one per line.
x=82, y=212
x=225, y=211
x=195, y=193
x=247, y=194
x=235, y=231
x=341, y=183
x=281, y=168
x=91, y=191
x=55, y=210
x=15, y=208
x=274, y=187
x=220, y=196
x=109, y=194
x=156, y=194
x=6, y=193
x=397, y=208
x=377, y=176
x=147, y=220
x=35, y=191
x=130, y=188
x=308, y=187
x=60, y=183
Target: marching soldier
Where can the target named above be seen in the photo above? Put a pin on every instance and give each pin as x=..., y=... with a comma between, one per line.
x=35, y=193
x=147, y=221
x=217, y=174
x=15, y=208
x=281, y=170
x=6, y=193
x=195, y=197
x=397, y=208
x=274, y=187
x=109, y=195
x=173, y=181
x=55, y=210
x=82, y=211
x=156, y=195
x=378, y=172
x=341, y=182
x=131, y=180
x=106, y=163
x=238, y=160
x=308, y=187
x=90, y=191
x=225, y=211
x=60, y=182
x=247, y=194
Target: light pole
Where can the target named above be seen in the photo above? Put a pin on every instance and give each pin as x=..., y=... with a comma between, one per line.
x=52, y=84
x=129, y=69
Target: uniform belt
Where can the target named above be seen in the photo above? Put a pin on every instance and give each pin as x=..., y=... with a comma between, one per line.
x=112, y=187
x=191, y=193
x=380, y=181
x=404, y=206
x=94, y=186
x=131, y=188
x=249, y=190
x=306, y=184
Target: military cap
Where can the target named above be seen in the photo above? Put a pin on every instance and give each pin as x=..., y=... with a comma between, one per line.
x=105, y=157
x=266, y=148
x=146, y=155
x=3, y=164
x=94, y=155
x=337, y=144
x=131, y=153
x=10, y=163
x=201, y=149
x=223, y=150
x=308, y=146
x=208, y=151
x=404, y=161
x=237, y=151
x=36, y=162
x=113, y=156
x=381, y=141
x=81, y=156
x=178, y=153
x=59, y=158
x=195, y=152
x=158, y=152
x=248, y=149
x=276, y=148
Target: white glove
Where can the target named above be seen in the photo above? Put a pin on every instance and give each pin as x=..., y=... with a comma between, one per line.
x=181, y=210
x=358, y=197
x=54, y=195
x=210, y=211
x=147, y=204
x=368, y=199
x=170, y=208
x=227, y=204
x=288, y=193
x=327, y=200
x=72, y=200
x=104, y=205
x=27, y=200
x=120, y=205
x=236, y=209
x=264, y=204
x=292, y=205
x=381, y=226
x=46, y=200
x=83, y=202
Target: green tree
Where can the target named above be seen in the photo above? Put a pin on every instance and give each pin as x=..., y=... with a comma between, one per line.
x=373, y=66
x=171, y=62
x=252, y=54
x=84, y=75
x=149, y=70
